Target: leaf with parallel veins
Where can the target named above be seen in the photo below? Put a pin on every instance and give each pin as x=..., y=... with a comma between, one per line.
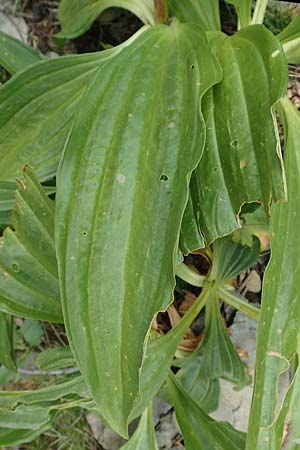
x=241, y=161
x=29, y=281
x=121, y=191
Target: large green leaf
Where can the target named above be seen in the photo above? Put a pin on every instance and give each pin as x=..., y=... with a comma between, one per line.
x=121, y=191
x=279, y=325
x=200, y=431
x=29, y=282
x=76, y=16
x=15, y=55
x=37, y=109
x=201, y=12
x=241, y=161
x=7, y=341
x=290, y=39
x=144, y=436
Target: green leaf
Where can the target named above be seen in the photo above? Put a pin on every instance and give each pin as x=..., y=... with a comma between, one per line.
x=190, y=234
x=205, y=391
x=55, y=358
x=144, y=436
x=8, y=199
x=288, y=422
x=243, y=9
x=32, y=332
x=15, y=55
x=159, y=355
x=76, y=16
x=37, y=109
x=254, y=223
x=25, y=417
x=7, y=341
x=279, y=325
x=28, y=269
x=204, y=13
x=240, y=160
x=9, y=437
x=200, y=431
x=49, y=394
x=231, y=258
x=290, y=40
x=215, y=357
x=124, y=180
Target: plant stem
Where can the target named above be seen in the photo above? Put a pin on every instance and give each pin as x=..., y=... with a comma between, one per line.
x=259, y=11
x=161, y=11
x=238, y=303
x=189, y=276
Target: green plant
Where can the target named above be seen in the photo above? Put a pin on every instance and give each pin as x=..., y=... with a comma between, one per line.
x=160, y=146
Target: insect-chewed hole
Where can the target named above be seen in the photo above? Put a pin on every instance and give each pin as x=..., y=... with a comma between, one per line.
x=84, y=233
x=192, y=67
x=15, y=267
x=163, y=177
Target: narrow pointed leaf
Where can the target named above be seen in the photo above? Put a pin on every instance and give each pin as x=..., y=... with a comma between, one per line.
x=241, y=161
x=55, y=358
x=159, y=355
x=204, y=12
x=290, y=39
x=25, y=417
x=7, y=341
x=76, y=16
x=190, y=233
x=11, y=399
x=278, y=331
x=199, y=430
x=15, y=55
x=121, y=191
x=144, y=436
x=8, y=199
x=28, y=270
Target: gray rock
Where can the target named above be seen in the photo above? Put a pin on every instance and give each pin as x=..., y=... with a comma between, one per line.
x=166, y=431
x=12, y=24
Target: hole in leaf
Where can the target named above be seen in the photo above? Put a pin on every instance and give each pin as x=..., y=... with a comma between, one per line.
x=192, y=66
x=84, y=233
x=164, y=177
x=234, y=144
x=15, y=267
